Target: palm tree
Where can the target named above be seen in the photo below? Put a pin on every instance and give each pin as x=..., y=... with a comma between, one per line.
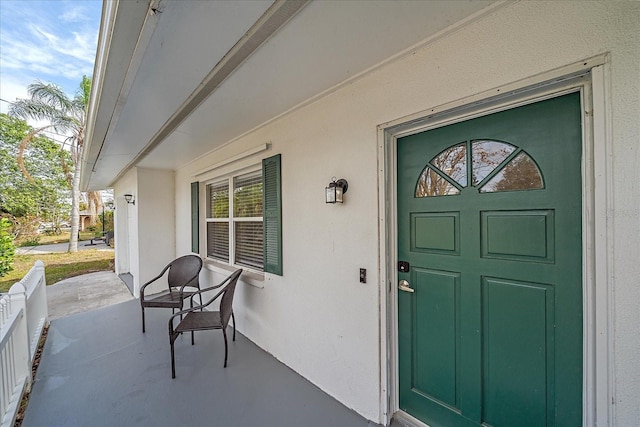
x=66, y=116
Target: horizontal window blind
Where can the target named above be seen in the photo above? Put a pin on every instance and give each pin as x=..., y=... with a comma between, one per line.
x=218, y=240
x=248, y=244
x=247, y=195
x=218, y=200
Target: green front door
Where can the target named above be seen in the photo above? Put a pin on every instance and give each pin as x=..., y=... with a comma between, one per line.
x=490, y=247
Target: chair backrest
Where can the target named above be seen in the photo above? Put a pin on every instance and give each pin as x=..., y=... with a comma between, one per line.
x=226, y=302
x=185, y=270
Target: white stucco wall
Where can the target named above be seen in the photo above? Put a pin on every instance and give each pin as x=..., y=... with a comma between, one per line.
x=155, y=202
x=126, y=226
x=144, y=230
x=317, y=317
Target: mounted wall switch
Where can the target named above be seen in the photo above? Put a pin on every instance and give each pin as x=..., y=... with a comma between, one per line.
x=363, y=275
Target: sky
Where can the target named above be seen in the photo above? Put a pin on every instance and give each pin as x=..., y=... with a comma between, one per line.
x=53, y=41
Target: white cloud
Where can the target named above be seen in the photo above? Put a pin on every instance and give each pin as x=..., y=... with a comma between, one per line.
x=11, y=90
x=50, y=41
x=76, y=14
x=52, y=55
x=42, y=34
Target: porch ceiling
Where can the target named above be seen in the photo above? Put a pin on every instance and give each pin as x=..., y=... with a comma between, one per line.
x=174, y=79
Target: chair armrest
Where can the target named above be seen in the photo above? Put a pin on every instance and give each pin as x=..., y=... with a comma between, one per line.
x=153, y=280
x=210, y=288
x=201, y=291
x=189, y=283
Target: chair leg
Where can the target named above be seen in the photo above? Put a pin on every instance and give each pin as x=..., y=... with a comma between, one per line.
x=173, y=361
x=143, y=330
x=226, y=350
x=173, y=311
x=192, y=341
x=233, y=317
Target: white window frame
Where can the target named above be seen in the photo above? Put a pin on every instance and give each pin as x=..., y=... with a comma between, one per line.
x=230, y=220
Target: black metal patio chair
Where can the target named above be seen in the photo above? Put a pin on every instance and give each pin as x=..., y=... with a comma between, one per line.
x=183, y=273
x=198, y=319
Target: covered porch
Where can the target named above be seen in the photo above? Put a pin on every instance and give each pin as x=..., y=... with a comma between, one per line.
x=99, y=369
x=193, y=102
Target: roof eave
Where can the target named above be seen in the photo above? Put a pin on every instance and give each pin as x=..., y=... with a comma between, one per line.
x=121, y=30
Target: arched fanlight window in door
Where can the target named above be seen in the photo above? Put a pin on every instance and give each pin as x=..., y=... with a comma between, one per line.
x=488, y=165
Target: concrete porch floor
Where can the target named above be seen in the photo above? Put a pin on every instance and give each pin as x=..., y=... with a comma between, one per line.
x=99, y=369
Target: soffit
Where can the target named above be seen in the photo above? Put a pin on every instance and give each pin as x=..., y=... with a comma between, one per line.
x=322, y=46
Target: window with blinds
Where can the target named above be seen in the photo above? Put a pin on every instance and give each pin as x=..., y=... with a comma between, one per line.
x=247, y=218
x=234, y=224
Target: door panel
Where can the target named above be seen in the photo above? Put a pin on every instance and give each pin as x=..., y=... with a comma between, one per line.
x=518, y=235
x=489, y=219
x=436, y=338
x=517, y=350
x=437, y=232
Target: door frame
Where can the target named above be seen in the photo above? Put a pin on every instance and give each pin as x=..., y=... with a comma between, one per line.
x=590, y=77
x=121, y=235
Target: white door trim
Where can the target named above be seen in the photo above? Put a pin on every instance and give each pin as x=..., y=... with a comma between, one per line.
x=121, y=236
x=591, y=78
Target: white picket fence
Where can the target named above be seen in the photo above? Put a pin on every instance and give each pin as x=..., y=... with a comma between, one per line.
x=23, y=316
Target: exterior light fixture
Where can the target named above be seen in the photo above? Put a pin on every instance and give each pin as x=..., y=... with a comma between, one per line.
x=129, y=198
x=335, y=190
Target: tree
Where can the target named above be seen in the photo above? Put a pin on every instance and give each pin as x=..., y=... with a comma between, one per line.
x=67, y=116
x=519, y=174
x=94, y=203
x=6, y=247
x=14, y=188
x=453, y=162
x=35, y=188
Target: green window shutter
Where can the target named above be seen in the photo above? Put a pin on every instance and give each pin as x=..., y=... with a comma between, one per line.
x=272, y=215
x=195, y=211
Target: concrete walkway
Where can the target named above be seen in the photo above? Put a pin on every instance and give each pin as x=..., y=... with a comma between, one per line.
x=87, y=292
x=61, y=247
x=81, y=293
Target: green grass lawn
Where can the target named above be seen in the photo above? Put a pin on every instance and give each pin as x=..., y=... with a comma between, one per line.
x=63, y=237
x=59, y=266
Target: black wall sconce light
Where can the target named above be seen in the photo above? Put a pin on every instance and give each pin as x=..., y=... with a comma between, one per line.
x=130, y=199
x=335, y=190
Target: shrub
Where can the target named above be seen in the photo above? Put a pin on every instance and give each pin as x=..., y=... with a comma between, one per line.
x=25, y=229
x=35, y=241
x=7, y=249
